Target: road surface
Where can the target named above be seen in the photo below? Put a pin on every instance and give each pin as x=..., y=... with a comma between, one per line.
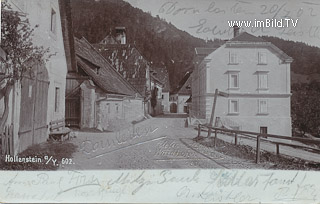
x=156, y=143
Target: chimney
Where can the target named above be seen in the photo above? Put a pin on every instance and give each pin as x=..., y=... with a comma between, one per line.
x=121, y=35
x=235, y=31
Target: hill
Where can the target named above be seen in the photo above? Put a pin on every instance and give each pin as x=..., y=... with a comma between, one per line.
x=305, y=67
x=160, y=42
x=164, y=45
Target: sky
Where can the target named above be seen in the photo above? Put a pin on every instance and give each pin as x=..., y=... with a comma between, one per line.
x=208, y=19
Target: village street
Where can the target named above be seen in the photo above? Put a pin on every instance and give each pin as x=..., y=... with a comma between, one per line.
x=161, y=142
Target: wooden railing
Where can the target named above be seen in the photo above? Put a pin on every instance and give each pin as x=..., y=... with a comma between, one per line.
x=259, y=136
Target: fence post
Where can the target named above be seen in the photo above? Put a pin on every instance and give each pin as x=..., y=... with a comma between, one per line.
x=7, y=151
x=11, y=141
x=2, y=142
x=215, y=138
x=199, y=130
x=278, y=149
x=236, y=139
x=258, y=150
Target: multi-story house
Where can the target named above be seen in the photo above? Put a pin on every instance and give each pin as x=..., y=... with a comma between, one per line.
x=38, y=98
x=254, y=76
x=132, y=65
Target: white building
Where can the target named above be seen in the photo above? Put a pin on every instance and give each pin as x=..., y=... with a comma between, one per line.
x=255, y=74
x=38, y=100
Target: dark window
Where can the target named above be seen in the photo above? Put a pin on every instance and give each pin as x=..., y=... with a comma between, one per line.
x=264, y=130
x=53, y=26
x=57, y=99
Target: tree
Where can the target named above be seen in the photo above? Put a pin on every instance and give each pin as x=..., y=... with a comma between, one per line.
x=305, y=108
x=21, y=53
x=154, y=95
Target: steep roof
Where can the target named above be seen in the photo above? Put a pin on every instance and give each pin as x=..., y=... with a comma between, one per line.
x=161, y=74
x=184, y=87
x=100, y=70
x=128, y=61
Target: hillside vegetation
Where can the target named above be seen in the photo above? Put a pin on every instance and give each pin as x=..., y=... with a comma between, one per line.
x=165, y=45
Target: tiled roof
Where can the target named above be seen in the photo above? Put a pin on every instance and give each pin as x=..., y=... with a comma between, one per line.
x=128, y=61
x=184, y=87
x=100, y=70
x=189, y=100
x=246, y=37
x=161, y=75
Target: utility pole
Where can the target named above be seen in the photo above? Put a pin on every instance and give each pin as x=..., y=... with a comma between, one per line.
x=212, y=113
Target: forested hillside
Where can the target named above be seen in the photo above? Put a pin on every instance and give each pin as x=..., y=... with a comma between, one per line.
x=159, y=41
x=165, y=45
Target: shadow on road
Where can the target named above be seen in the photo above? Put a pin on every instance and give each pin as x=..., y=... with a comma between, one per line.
x=172, y=115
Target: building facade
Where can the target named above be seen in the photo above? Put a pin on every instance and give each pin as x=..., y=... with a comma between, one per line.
x=178, y=99
x=254, y=76
x=105, y=100
x=39, y=99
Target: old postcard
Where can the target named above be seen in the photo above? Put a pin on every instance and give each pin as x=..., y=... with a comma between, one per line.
x=160, y=101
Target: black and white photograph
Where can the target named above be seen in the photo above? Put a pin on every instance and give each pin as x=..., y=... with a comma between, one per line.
x=108, y=100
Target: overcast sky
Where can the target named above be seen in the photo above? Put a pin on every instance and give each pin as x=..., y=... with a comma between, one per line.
x=208, y=19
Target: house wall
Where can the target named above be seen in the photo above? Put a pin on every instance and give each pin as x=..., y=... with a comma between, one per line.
x=88, y=104
x=215, y=70
x=165, y=102
x=38, y=12
x=181, y=103
x=116, y=114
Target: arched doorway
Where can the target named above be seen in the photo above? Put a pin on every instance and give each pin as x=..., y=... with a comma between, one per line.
x=173, y=108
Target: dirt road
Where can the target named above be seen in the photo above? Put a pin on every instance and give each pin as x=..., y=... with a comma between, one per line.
x=155, y=143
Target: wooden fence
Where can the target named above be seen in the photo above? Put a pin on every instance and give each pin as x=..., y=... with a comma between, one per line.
x=259, y=136
x=7, y=140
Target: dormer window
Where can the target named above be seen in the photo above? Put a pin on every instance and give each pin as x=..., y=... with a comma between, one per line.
x=262, y=58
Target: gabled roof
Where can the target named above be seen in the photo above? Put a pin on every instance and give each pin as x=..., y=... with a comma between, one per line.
x=246, y=37
x=184, y=87
x=161, y=74
x=100, y=70
x=128, y=61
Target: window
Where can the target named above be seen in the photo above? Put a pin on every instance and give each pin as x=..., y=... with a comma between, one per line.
x=264, y=130
x=162, y=96
x=117, y=108
x=233, y=58
x=53, y=26
x=262, y=58
x=233, y=106
x=263, y=106
x=57, y=99
x=233, y=80
x=263, y=80
x=108, y=107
